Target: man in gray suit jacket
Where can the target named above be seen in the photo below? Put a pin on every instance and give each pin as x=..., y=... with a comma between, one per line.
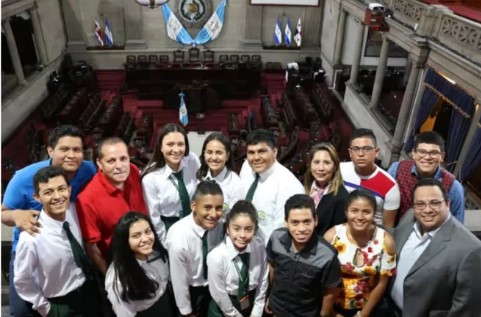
x=439, y=260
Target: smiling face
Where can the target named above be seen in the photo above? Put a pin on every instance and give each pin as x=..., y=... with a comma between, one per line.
x=207, y=210
x=67, y=153
x=322, y=167
x=436, y=208
x=54, y=197
x=261, y=156
x=173, y=149
x=427, y=157
x=241, y=230
x=115, y=163
x=360, y=214
x=215, y=156
x=141, y=239
x=301, y=224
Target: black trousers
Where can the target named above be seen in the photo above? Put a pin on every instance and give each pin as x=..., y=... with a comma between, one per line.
x=164, y=307
x=82, y=302
x=199, y=299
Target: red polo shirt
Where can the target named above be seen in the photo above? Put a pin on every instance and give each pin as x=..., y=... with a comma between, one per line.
x=100, y=206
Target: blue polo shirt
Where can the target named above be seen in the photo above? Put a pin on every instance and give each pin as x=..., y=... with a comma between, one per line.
x=456, y=193
x=20, y=189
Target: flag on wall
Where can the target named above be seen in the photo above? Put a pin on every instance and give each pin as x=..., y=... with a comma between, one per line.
x=98, y=33
x=278, y=33
x=183, y=116
x=109, y=38
x=298, y=35
x=212, y=28
x=288, y=33
x=175, y=30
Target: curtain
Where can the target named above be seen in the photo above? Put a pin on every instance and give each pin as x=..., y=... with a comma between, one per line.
x=428, y=101
x=473, y=158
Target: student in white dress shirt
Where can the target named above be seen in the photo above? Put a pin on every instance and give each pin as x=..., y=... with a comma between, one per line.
x=188, y=242
x=136, y=281
x=275, y=183
x=51, y=269
x=163, y=190
x=216, y=163
x=238, y=271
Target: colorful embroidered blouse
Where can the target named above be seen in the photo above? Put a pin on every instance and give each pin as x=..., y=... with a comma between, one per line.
x=360, y=266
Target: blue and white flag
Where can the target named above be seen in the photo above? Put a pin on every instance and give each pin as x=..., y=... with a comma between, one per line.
x=175, y=29
x=278, y=33
x=98, y=32
x=108, y=34
x=287, y=33
x=298, y=35
x=212, y=28
x=183, y=116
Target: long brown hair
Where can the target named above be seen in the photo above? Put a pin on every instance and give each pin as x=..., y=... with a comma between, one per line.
x=336, y=181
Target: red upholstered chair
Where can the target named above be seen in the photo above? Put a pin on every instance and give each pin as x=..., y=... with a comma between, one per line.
x=178, y=58
x=194, y=56
x=209, y=58
x=164, y=61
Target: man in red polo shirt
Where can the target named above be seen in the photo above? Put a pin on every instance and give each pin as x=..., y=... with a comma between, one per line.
x=114, y=190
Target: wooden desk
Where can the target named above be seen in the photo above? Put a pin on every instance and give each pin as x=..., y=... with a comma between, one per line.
x=153, y=83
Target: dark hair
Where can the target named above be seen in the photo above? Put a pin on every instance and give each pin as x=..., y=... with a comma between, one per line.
x=217, y=136
x=44, y=174
x=299, y=201
x=361, y=193
x=207, y=188
x=363, y=133
x=261, y=135
x=157, y=160
x=242, y=207
x=430, y=182
x=336, y=181
x=64, y=130
x=430, y=137
x=136, y=285
x=107, y=141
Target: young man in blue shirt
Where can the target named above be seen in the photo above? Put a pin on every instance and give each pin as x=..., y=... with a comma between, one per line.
x=20, y=209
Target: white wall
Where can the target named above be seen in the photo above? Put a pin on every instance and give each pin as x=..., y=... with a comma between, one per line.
x=53, y=32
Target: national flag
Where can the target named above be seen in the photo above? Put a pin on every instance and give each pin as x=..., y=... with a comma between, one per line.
x=298, y=35
x=183, y=116
x=212, y=28
x=278, y=33
x=287, y=33
x=98, y=33
x=108, y=34
x=175, y=29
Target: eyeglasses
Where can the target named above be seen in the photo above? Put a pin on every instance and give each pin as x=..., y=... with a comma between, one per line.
x=433, y=204
x=432, y=154
x=364, y=149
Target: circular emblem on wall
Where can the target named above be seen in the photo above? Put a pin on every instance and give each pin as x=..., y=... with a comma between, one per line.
x=193, y=14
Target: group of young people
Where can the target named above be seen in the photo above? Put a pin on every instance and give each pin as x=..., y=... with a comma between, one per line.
x=189, y=236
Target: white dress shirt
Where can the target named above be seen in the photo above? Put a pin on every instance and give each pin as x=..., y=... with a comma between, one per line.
x=161, y=194
x=184, y=243
x=224, y=278
x=156, y=269
x=44, y=265
x=411, y=251
x=231, y=186
x=275, y=187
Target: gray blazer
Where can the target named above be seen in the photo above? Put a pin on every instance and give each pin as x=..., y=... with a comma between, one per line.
x=446, y=278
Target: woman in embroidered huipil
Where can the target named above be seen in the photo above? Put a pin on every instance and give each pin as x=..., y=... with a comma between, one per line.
x=323, y=182
x=367, y=255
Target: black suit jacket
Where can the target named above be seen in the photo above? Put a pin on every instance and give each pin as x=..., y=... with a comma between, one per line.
x=331, y=211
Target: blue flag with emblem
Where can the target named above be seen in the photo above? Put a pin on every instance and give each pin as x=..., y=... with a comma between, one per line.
x=183, y=116
x=278, y=33
x=213, y=27
x=175, y=29
x=288, y=33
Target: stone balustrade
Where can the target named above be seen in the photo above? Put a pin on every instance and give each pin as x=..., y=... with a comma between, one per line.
x=408, y=12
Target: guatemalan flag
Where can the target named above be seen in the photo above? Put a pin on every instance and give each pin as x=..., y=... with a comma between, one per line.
x=287, y=33
x=183, y=116
x=175, y=30
x=278, y=33
x=108, y=34
x=98, y=33
x=212, y=28
x=298, y=35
